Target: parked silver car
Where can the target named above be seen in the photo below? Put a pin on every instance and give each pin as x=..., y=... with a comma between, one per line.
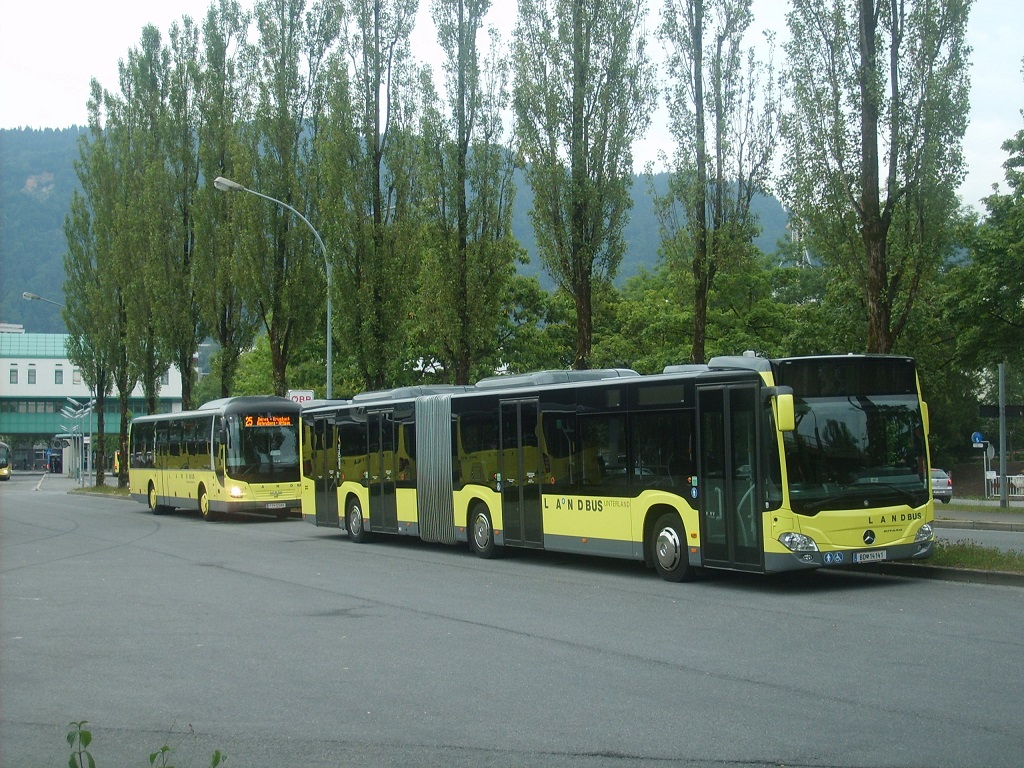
x=942, y=485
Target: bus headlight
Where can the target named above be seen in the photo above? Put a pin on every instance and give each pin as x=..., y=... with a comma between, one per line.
x=236, y=492
x=924, y=533
x=797, y=542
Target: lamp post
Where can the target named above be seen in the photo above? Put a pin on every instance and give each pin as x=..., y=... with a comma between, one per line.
x=227, y=185
x=29, y=296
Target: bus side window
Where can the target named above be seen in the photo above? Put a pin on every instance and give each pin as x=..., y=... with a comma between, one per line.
x=663, y=454
x=601, y=450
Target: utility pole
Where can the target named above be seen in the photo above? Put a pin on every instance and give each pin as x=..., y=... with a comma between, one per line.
x=1003, y=490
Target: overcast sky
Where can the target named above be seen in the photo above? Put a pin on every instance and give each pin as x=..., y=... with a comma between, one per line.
x=50, y=50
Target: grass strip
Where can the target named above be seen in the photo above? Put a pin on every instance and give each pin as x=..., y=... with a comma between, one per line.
x=964, y=553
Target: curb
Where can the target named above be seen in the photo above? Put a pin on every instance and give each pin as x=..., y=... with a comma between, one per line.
x=978, y=525
x=942, y=573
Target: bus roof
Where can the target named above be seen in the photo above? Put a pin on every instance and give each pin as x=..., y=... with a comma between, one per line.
x=228, y=405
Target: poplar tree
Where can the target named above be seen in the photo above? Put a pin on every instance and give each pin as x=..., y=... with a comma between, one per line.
x=225, y=110
x=469, y=190
x=583, y=93
x=873, y=145
x=282, y=259
x=182, y=323
x=144, y=221
x=369, y=177
x=92, y=318
x=723, y=116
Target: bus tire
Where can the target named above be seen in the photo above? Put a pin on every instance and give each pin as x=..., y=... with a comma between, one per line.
x=354, y=521
x=204, y=505
x=668, y=549
x=155, y=507
x=481, y=533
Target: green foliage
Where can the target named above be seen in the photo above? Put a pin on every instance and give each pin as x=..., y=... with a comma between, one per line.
x=301, y=124
x=965, y=553
x=987, y=297
x=79, y=739
x=583, y=90
x=645, y=327
x=161, y=756
x=537, y=332
x=255, y=374
x=470, y=255
x=724, y=109
x=874, y=148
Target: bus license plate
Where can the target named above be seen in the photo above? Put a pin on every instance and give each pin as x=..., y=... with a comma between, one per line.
x=869, y=557
x=275, y=505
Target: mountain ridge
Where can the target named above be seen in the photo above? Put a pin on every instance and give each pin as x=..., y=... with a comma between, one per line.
x=37, y=178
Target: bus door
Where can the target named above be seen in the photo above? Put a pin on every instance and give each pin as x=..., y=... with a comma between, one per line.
x=382, y=471
x=323, y=469
x=728, y=462
x=520, y=473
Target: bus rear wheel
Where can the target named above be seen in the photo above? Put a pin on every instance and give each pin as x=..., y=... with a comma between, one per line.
x=354, y=521
x=668, y=549
x=481, y=533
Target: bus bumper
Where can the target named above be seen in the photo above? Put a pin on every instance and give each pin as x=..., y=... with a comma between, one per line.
x=278, y=507
x=797, y=561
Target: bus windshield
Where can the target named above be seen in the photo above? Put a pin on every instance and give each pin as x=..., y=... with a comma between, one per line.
x=263, y=448
x=856, y=452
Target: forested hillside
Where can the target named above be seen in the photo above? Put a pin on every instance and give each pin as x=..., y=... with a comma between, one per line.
x=37, y=178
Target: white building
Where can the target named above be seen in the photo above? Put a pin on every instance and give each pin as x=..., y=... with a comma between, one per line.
x=43, y=397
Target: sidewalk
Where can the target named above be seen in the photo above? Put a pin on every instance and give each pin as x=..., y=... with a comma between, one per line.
x=980, y=514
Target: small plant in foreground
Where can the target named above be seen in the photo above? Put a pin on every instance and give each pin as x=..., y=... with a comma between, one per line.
x=79, y=739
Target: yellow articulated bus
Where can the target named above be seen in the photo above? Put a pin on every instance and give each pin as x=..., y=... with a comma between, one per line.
x=235, y=455
x=6, y=461
x=745, y=464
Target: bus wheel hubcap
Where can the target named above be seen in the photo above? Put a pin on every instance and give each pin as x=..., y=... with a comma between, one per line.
x=668, y=549
x=481, y=531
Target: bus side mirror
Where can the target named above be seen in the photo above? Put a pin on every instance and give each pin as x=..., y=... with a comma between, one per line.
x=785, y=415
x=925, y=417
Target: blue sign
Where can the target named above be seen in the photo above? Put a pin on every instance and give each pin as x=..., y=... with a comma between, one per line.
x=977, y=438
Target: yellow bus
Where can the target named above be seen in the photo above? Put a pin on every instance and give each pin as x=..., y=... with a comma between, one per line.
x=238, y=454
x=6, y=462
x=745, y=464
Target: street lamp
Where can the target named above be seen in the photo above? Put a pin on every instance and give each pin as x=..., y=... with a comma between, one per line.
x=227, y=185
x=29, y=296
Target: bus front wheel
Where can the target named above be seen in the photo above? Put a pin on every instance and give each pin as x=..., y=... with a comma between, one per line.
x=204, y=505
x=668, y=549
x=481, y=533
x=154, y=505
x=354, y=522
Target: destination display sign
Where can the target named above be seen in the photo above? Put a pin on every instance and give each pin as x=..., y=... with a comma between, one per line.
x=257, y=420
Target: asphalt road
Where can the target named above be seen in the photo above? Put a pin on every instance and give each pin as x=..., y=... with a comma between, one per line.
x=282, y=644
